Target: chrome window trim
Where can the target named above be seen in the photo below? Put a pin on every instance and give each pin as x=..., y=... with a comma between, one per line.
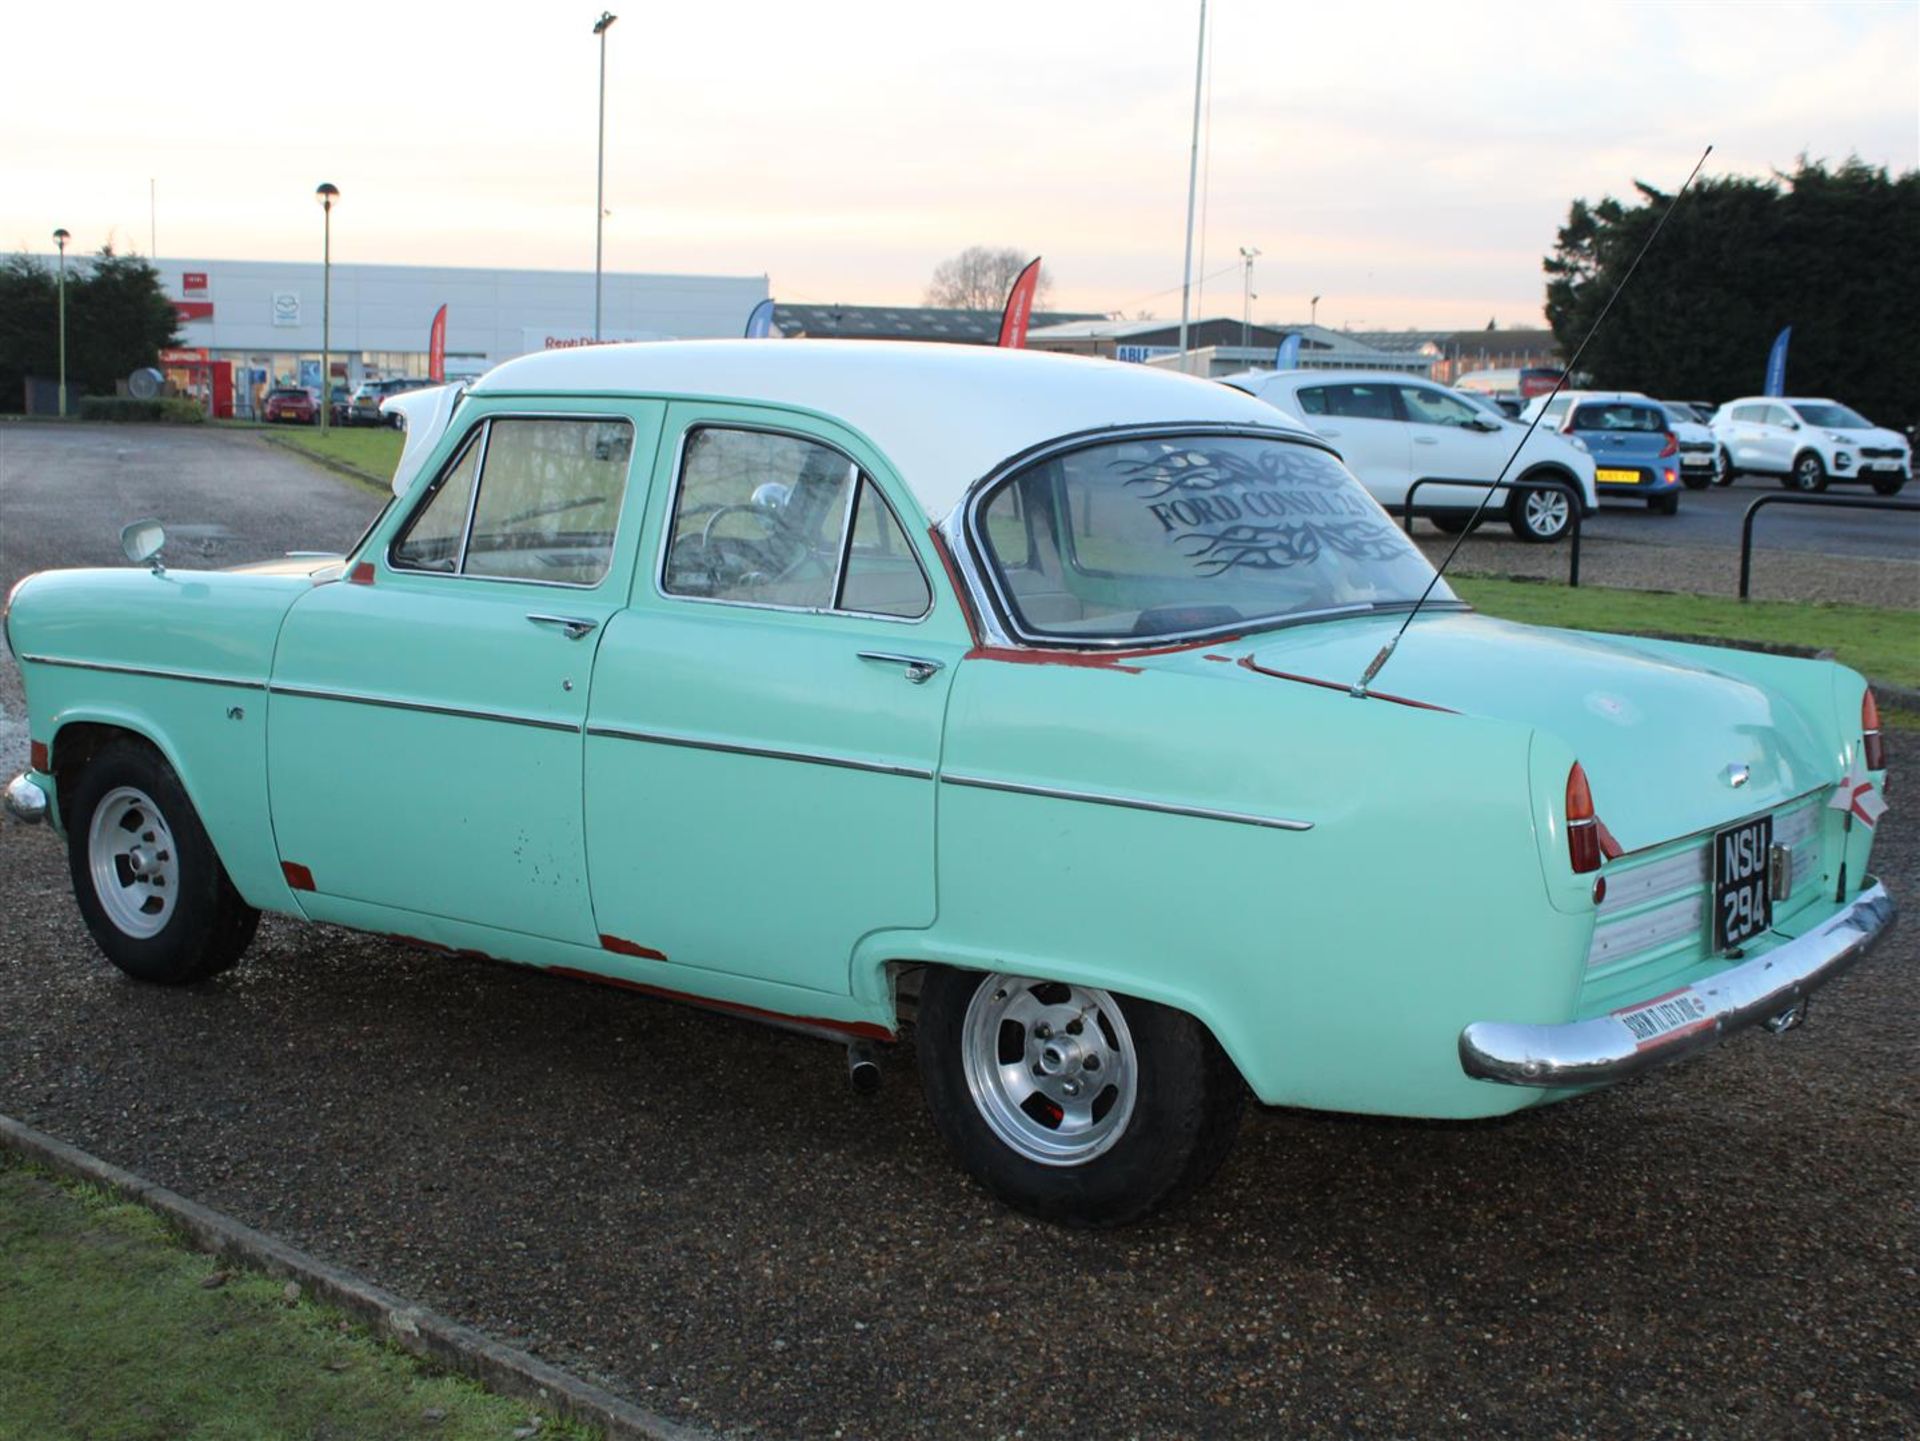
x=154, y=672
x=484, y=424
x=965, y=525
x=816, y=758
x=1133, y=803
x=673, y=502
x=424, y=707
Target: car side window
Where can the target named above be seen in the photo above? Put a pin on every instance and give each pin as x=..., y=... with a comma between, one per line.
x=1777, y=415
x=766, y=518
x=1749, y=414
x=1313, y=401
x=1431, y=407
x=1363, y=402
x=527, y=498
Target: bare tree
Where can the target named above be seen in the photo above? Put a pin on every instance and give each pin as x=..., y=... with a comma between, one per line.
x=979, y=277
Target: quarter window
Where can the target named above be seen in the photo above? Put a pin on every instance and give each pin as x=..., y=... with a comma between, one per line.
x=526, y=499
x=762, y=518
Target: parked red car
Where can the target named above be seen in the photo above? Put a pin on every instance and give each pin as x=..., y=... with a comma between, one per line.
x=290, y=403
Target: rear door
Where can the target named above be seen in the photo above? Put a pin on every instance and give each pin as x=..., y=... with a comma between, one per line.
x=1363, y=420
x=767, y=717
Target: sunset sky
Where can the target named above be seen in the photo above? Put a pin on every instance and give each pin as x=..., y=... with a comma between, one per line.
x=1408, y=162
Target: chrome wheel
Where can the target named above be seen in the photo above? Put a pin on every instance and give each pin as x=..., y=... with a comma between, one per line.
x=1051, y=1067
x=1546, y=512
x=133, y=862
x=1809, y=474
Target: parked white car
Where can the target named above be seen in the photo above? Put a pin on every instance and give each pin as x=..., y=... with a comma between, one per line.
x=1700, y=464
x=1809, y=443
x=1395, y=431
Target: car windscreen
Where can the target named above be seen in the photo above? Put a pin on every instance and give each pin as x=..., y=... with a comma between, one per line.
x=1154, y=537
x=1833, y=417
x=1679, y=414
x=1617, y=417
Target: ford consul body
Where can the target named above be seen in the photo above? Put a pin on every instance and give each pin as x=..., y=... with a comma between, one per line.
x=1008, y=697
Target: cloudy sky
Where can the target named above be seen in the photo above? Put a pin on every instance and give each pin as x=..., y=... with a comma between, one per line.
x=1408, y=162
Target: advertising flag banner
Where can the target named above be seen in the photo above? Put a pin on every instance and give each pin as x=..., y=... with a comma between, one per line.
x=437, y=348
x=760, y=323
x=1013, y=320
x=1287, y=355
x=1777, y=364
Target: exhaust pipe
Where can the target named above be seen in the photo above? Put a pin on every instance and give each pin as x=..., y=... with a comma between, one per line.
x=863, y=1067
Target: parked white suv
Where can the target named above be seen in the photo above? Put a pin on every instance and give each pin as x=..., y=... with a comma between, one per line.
x=1395, y=431
x=1809, y=443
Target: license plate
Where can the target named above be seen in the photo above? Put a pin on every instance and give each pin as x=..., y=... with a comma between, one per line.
x=1696, y=460
x=1742, y=906
x=1664, y=1018
x=1617, y=477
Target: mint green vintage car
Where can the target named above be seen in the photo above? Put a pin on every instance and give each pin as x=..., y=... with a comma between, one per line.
x=845, y=685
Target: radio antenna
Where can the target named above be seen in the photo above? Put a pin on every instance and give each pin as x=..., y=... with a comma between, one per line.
x=1359, y=690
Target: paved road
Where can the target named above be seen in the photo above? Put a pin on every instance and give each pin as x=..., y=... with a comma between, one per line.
x=698, y=1212
x=1712, y=518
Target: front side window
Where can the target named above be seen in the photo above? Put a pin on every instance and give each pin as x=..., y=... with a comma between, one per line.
x=1777, y=415
x=1434, y=407
x=547, y=507
x=763, y=518
x=1148, y=538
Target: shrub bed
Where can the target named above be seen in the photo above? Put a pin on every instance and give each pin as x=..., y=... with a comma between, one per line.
x=169, y=409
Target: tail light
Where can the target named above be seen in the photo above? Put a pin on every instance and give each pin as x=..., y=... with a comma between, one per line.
x=1583, y=832
x=1873, y=748
x=1673, y=446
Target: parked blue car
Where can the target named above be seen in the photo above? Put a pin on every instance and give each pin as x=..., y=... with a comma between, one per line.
x=1635, y=452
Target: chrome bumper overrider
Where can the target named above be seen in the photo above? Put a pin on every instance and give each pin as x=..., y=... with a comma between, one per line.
x=25, y=798
x=1602, y=1050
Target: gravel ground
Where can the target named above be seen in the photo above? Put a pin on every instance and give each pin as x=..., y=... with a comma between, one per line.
x=698, y=1213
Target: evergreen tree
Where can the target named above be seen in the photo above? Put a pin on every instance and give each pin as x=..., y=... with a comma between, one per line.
x=118, y=320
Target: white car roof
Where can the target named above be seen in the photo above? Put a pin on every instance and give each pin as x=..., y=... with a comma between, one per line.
x=1261, y=379
x=945, y=415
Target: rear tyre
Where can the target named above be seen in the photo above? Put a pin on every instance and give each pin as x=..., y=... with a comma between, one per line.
x=1888, y=484
x=1695, y=479
x=1070, y=1103
x=152, y=892
x=1727, y=475
x=1664, y=504
x=1540, y=514
x=1808, y=473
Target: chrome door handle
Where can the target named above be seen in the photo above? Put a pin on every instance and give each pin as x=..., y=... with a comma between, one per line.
x=575, y=626
x=919, y=669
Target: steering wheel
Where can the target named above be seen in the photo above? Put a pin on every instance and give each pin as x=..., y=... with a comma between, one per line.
x=738, y=560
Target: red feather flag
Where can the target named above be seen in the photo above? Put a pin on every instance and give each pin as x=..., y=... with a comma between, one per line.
x=437, y=348
x=1013, y=320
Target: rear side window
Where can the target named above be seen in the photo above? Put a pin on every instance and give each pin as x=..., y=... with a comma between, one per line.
x=527, y=498
x=1363, y=402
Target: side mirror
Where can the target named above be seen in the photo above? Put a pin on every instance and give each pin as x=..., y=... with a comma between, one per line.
x=1793, y=425
x=141, y=543
x=1484, y=423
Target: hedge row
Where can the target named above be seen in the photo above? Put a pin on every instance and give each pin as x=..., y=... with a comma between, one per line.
x=172, y=409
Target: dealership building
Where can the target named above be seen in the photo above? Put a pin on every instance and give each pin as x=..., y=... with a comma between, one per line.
x=246, y=325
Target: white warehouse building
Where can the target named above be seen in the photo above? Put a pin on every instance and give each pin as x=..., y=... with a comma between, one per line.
x=257, y=323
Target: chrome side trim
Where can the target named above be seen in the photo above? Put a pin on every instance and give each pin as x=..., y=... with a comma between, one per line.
x=920, y=669
x=155, y=672
x=426, y=708
x=26, y=799
x=1131, y=803
x=814, y=758
x=1604, y=1049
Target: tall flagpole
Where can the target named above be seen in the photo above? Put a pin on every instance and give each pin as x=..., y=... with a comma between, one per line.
x=1193, y=180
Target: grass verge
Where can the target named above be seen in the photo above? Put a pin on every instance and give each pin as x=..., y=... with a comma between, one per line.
x=1883, y=644
x=374, y=451
x=108, y=1327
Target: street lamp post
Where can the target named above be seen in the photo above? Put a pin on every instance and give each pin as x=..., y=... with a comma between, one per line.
x=600, y=28
x=60, y=238
x=326, y=193
x=1247, y=253
x=1313, y=311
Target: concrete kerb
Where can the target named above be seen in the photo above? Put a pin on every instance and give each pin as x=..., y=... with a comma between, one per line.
x=366, y=477
x=413, y=1328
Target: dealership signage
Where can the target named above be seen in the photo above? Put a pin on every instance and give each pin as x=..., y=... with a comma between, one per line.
x=1141, y=354
x=193, y=280
x=286, y=307
x=537, y=337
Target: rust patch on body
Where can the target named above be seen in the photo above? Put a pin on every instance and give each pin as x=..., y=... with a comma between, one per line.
x=630, y=948
x=37, y=757
x=863, y=1030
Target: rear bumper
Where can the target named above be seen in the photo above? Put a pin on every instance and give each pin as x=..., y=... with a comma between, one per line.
x=1603, y=1050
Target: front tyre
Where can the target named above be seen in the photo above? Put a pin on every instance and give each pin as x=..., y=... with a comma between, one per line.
x=1668, y=504
x=1071, y=1103
x=1808, y=474
x=150, y=888
x=1888, y=484
x=1541, y=514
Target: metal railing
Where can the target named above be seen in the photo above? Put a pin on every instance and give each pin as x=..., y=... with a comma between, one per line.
x=1834, y=502
x=1574, y=503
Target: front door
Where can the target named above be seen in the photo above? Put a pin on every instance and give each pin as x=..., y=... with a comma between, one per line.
x=425, y=723
x=766, y=718
x=1363, y=421
x=1450, y=439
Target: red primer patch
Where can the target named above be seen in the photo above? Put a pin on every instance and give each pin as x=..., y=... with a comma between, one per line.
x=1211, y=656
x=37, y=757
x=298, y=876
x=628, y=948
x=953, y=579
x=1249, y=662
x=865, y=1030
x=362, y=574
